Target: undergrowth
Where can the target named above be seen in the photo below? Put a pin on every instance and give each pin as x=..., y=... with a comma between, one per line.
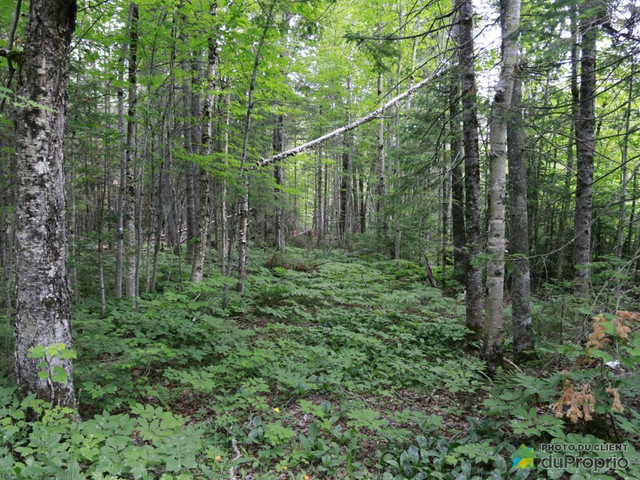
x=326, y=367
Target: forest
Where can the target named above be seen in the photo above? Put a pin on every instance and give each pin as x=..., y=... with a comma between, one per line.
x=319, y=239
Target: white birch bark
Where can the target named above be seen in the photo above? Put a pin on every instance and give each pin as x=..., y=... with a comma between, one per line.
x=43, y=313
x=494, y=316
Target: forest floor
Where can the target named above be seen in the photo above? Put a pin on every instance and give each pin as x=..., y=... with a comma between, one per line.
x=329, y=367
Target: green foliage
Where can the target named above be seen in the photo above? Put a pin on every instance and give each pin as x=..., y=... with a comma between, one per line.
x=140, y=445
x=590, y=403
x=352, y=369
x=48, y=353
x=439, y=458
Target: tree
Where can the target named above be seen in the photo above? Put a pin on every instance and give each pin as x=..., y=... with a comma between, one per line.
x=278, y=145
x=204, y=214
x=473, y=277
x=494, y=319
x=129, y=210
x=43, y=313
x=245, y=179
x=519, y=226
x=585, y=142
x=457, y=185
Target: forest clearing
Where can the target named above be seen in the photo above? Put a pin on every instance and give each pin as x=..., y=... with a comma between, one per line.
x=319, y=239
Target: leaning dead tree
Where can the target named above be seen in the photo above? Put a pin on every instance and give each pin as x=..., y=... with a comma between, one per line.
x=351, y=126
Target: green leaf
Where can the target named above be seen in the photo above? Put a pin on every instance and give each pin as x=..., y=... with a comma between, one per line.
x=173, y=464
x=59, y=375
x=68, y=353
x=55, y=349
x=37, y=352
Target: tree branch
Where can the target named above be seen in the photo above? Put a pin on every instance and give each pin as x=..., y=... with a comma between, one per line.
x=355, y=124
x=10, y=54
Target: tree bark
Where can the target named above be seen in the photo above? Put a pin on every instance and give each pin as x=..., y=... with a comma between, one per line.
x=319, y=216
x=575, y=101
x=457, y=185
x=473, y=279
x=457, y=209
x=223, y=247
x=43, y=313
x=585, y=143
x=204, y=213
x=446, y=199
x=190, y=168
x=381, y=209
x=519, y=227
x=346, y=170
x=159, y=216
x=278, y=145
x=494, y=320
x=130, y=245
x=103, y=192
x=123, y=175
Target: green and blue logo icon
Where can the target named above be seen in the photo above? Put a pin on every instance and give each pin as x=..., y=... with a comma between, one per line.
x=523, y=457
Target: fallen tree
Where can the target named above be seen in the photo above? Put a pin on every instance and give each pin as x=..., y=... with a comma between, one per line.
x=355, y=124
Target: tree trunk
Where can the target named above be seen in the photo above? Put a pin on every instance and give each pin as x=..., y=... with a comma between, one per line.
x=244, y=174
x=363, y=202
x=457, y=186
x=123, y=176
x=353, y=125
x=575, y=101
x=204, y=213
x=397, y=248
x=159, y=220
x=446, y=196
x=190, y=174
x=223, y=248
x=519, y=228
x=43, y=313
x=382, y=178
x=103, y=192
x=344, y=187
x=473, y=277
x=494, y=320
x=130, y=245
x=319, y=224
x=278, y=146
x=585, y=143
x=344, y=176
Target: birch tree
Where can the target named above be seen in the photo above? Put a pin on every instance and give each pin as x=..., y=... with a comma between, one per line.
x=43, y=313
x=204, y=214
x=131, y=284
x=494, y=320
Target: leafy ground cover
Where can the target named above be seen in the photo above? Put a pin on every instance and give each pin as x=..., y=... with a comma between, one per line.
x=328, y=367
